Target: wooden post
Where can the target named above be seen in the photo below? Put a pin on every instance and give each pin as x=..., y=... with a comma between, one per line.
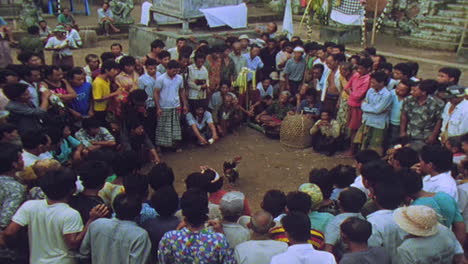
x=463, y=35
x=374, y=23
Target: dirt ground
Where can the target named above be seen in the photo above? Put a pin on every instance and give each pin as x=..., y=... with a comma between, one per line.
x=266, y=164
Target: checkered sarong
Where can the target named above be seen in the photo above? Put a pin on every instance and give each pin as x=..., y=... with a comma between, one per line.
x=349, y=7
x=168, y=130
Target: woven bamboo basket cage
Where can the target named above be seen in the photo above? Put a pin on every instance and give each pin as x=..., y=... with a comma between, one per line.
x=295, y=131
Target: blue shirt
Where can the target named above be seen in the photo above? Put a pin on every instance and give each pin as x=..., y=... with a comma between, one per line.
x=81, y=103
x=207, y=118
x=444, y=205
x=254, y=64
x=307, y=109
x=147, y=83
x=395, y=111
x=66, y=149
x=376, y=108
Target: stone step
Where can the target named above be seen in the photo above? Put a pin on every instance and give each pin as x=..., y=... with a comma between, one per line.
x=443, y=20
x=430, y=35
x=441, y=27
x=452, y=13
x=9, y=10
x=456, y=7
x=409, y=41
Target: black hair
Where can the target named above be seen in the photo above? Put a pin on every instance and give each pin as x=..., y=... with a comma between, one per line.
x=6, y=128
x=163, y=54
x=116, y=45
x=58, y=184
x=185, y=52
x=338, y=57
x=26, y=71
x=14, y=91
x=127, y=61
x=105, y=56
x=298, y=226
x=385, y=66
x=93, y=174
x=380, y=77
x=228, y=40
x=406, y=156
x=126, y=207
x=151, y=62
x=298, y=43
x=137, y=96
x=371, y=51
x=298, y=201
x=10, y=154
x=464, y=138
x=319, y=66
x=414, y=66
x=341, y=47
x=411, y=181
x=377, y=171
x=389, y=195
x=366, y=156
x=25, y=56
x=104, y=155
x=212, y=185
x=55, y=132
x=366, y=63
x=33, y=30
x=455, y=142
x=356, y=57
x=181, y=39
x=429, y=86
x=329, y=44
x=194, y=205
x=89, y=123
x=343, y=175
x=173, y=65
x=4, y=73
x=311, y=92
x=357, y=230
x=157, y=43
x=323, y=179
x=196, y=180
x=160, y=176
x=452, y=72
x=199, y=55
x=75, y=71
x=136, y=185
x=32, y=139
x=126, y=163
x=206, y=42
x=403, y=68
x=165, y=201
x=108, y=65
x=90, y=56
x=352, y=200
x=274, y=202
x=439, y=156
x=310, y=46
x=49, y=70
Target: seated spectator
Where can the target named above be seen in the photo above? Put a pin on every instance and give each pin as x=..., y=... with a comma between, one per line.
x=385, y=231
x=35, y=144
x=136, y=185
x=361, y=159
x=73, y=35
x=324, y=180
x=404, y=158
x=166, y=202
x=425, y=233
x=343, y=176
x=265, y=88
x=309, y=106
x=326, y=133
x=66, y=17
x=161, y=176
x=455, y=146
x=274, y=202
x=9, y=134
x=217, y=99
x=260, y=249
x=93, y=136
x=354, y=233
x=202, y=128
x=118, y=240
x=436, y=163
x=93, y=175
x=232, y=207
x=22, y=114
x=318, y=220
x=136, y=139
x=173, y=246
x=229, y=117
x=351, y=201
x=44, y=31
x=64, y=147
x=445, y=206
x=53, y=225
x=272, y=117
x=297, y=226
x=106, y=19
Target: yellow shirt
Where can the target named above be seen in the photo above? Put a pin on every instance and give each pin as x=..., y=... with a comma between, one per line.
x=101, y=88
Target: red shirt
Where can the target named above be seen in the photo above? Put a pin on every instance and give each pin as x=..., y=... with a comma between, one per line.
x=358, y=86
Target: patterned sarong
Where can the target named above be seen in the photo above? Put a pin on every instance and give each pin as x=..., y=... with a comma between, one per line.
x=168, y=130
x=370, y=138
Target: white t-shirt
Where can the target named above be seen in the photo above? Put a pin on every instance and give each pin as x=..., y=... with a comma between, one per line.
x=443, y=182
x=53, y=42
x=259, y=251
x=47, y=225
x=169, y=91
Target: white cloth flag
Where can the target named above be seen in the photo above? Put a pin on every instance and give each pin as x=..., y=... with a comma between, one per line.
x=235, y=16
x=145, y=13
x=288, y=26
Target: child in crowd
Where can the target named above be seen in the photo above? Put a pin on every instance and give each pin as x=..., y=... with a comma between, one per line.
x=398, y=95
x=343, y=176
x=64, y=147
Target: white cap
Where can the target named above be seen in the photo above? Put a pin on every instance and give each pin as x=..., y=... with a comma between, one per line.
x=298, y=49
x=244, y=36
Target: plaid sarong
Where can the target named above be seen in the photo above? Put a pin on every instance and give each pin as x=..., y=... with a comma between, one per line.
x=349, y=7
x=370, y=138
x=168, y=129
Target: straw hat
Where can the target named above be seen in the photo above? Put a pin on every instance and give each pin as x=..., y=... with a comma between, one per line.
x=418, y=220
x=314, y=192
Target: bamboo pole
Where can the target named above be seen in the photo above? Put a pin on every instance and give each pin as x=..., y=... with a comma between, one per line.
x=374, y=23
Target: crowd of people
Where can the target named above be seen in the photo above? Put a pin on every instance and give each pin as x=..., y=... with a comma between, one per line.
x=75, y=139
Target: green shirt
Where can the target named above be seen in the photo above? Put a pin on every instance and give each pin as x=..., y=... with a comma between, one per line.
x=32, y=44
x=63, y=19
x=422, y=119
x=278, y=110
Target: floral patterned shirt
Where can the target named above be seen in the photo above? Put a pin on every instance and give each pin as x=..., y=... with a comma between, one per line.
x=187, y=247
